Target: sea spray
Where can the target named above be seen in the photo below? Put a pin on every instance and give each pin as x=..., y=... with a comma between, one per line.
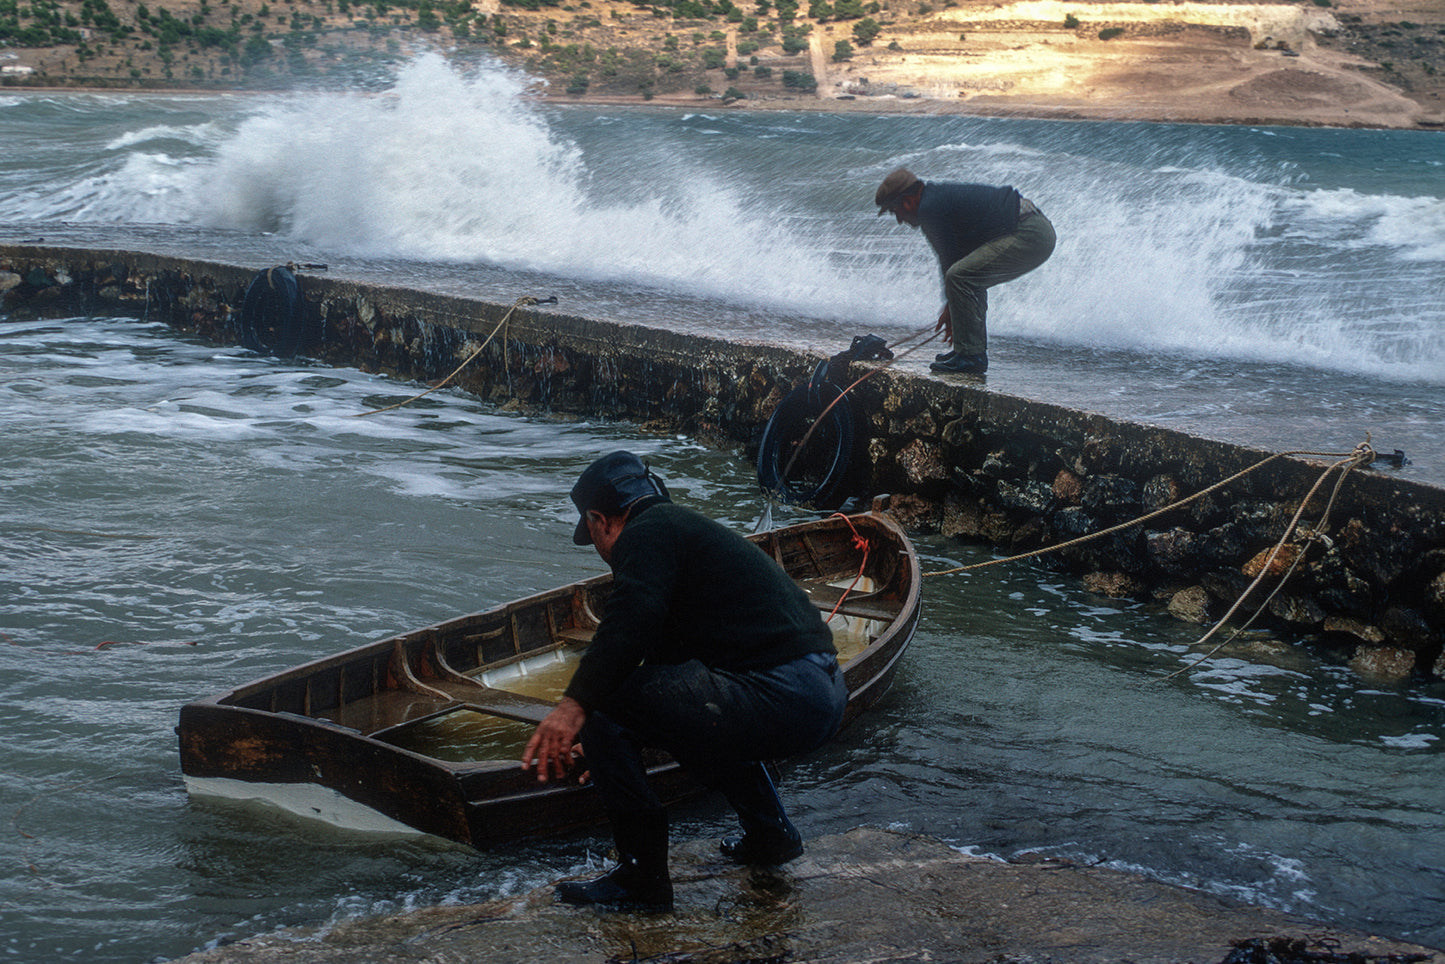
x=1303, y=248
x=457, y=167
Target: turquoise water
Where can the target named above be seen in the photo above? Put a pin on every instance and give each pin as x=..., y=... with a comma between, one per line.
x=179, y=518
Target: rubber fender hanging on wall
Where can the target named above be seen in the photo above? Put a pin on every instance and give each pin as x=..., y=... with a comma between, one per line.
x=271, y=313
x=800, y=468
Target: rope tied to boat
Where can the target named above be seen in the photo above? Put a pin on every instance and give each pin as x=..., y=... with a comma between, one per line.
x=772, y=496
x=506, y=361
x=1362, y=455
x=863, y=545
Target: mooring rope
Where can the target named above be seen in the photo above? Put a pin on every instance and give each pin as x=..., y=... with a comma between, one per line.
x=524, y=300
x=1362, y=455
x=864, y=546
x=803, y=442
x=1352, y=457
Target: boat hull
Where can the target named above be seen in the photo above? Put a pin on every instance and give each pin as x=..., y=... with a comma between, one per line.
x=347, y=733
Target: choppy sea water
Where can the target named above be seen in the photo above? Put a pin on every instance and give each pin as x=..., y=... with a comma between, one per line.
x=1279, y=287
x=179, y=518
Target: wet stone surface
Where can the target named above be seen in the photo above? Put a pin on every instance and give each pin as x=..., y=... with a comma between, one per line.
x=867, y=895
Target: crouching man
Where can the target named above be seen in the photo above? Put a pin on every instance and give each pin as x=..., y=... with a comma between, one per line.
x=707, y=650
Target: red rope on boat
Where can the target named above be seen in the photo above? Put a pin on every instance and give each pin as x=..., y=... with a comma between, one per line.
x=859, y=543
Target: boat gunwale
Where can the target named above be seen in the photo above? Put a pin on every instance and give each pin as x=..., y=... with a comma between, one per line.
x=902, y=586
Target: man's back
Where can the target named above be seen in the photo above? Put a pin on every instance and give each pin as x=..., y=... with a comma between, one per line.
x=686, y=587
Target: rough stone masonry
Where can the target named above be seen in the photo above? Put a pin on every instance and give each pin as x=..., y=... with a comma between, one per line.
x=975, y=464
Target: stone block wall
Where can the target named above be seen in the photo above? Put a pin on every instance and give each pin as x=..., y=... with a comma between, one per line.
x=959, y=459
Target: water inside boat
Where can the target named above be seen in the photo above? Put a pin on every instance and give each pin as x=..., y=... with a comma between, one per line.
x=466, y=734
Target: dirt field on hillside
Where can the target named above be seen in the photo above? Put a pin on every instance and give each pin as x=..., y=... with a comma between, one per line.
x=1356, y=63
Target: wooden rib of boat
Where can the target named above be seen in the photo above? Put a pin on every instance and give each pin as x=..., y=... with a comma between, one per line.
x=424, y=730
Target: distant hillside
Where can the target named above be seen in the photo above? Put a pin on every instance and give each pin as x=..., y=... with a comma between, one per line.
x=1048, y=56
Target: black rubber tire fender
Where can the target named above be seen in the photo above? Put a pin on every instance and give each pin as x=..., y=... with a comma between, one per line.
x=271, y=313
x=817, y=477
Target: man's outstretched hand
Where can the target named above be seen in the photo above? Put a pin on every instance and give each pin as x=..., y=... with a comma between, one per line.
x=945, y=325
x=553, y=745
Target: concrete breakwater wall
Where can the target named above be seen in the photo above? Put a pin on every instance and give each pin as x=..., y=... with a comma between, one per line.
x=958, y=458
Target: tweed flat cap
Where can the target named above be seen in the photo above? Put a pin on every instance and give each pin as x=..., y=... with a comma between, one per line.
x=894, y=186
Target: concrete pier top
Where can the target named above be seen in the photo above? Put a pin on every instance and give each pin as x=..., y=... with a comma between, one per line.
x=866, y=895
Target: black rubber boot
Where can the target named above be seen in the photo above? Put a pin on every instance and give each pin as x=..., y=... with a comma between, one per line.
x=640, y=881
x=962, y=364
x=763, y=847
x=768, y=836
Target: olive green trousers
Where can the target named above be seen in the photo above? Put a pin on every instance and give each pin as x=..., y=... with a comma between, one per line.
x=967, y=280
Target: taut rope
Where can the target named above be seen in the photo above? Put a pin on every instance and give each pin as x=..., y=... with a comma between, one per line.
x=524, y=300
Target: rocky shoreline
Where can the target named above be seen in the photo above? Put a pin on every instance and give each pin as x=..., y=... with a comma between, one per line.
x=867, y=895
x=1351, y=63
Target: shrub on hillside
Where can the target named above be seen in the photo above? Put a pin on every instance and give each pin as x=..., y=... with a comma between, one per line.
x=800, y=80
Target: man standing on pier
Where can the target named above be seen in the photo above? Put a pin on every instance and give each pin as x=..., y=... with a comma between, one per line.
x=983, y=236
x=707, y=650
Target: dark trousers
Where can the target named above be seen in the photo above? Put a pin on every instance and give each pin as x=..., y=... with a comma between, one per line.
x=719, y=725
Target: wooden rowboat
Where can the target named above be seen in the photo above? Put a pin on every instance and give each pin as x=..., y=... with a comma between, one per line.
x=423, y=731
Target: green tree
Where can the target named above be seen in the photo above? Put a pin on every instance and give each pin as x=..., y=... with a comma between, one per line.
x=795, y=38
x=865, y=31
x=800, y=80
x=842, y=50
x=257, y=49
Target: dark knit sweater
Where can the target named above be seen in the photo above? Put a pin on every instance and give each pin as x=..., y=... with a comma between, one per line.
x=685, y=587
x=958, y=218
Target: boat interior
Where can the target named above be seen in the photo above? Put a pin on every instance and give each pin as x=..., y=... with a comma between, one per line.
x=470, y=691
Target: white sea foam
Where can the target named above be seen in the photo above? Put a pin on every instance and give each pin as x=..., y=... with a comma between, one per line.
x=1182, y=249
x=1411, y=741
x=457, y=168
x=197, y=134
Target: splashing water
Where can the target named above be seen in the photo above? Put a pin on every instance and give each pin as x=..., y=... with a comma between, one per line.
x=446, y=167
x=1308, y=248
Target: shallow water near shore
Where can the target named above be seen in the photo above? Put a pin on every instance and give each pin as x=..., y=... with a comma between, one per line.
x=182, y=517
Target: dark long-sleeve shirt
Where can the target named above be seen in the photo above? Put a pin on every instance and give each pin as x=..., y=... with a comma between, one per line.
x=958, y=218
x=686, y=587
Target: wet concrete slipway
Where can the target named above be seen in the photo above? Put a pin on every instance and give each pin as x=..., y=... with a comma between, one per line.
x=864, y=896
